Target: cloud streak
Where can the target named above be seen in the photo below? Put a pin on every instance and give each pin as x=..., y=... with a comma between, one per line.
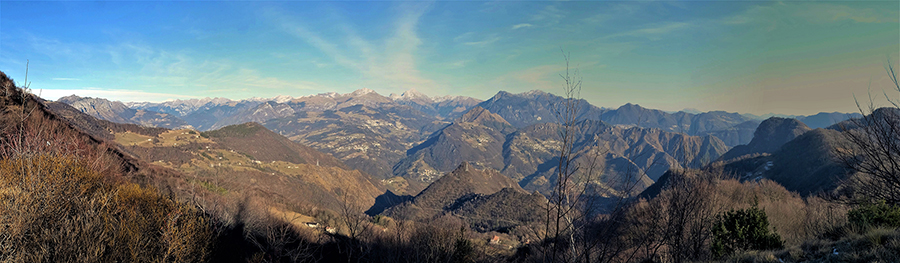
x=654, y=32
x=523, y=25
x=393, y=64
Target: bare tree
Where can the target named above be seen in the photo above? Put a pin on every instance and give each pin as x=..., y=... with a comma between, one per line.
x=355, y=223
x=874, y=149
x=572, y=230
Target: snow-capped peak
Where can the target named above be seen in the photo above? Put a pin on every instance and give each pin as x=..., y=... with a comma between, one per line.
x=362, y=91
x=282, y=98
x=410, y=95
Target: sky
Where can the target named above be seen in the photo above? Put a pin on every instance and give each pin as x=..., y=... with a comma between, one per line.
x=754, y=57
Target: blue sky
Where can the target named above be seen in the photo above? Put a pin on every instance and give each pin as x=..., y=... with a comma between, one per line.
x=739, y=56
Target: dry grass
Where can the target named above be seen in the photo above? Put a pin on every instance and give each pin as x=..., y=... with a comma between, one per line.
x=56, y=209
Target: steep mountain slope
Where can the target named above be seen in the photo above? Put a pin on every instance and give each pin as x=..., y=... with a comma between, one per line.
x=485, y=199
x=456, y=190
x=532, y=107
x=115, y=111
x=477, y=137
x=264, y=145
x=769, y=137
x=24, y=115
x=808, y=164
x=638, y=154
x=500, y=211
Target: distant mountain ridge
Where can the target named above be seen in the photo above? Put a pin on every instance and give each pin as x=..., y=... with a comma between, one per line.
x=769, y=136
x=445, y=107
x=118, y=112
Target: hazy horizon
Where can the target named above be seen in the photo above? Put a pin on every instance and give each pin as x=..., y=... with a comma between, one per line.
x=793, y=58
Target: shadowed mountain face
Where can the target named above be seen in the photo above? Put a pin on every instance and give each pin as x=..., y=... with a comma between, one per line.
x=808, y=164
x=484, y=198
x=115, y=111
x=769, y=137
x=477, y=137
x=452, y=191
x=529, y=155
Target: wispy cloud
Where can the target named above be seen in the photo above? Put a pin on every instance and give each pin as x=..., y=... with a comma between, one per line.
x=392, y=64
x=484, y=42
x=549, y=15
x=810, y=12
x=614, y=11
x=523, y=25
x=473, y=39
x=655, y=31
x=826, y=12
x=66, y=79
x=658, y=30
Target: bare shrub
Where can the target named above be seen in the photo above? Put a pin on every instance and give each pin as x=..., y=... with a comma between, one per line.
x=874, y=150
x=55, y=209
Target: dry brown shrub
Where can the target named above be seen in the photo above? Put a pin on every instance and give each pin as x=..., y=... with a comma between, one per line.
x=55, y=209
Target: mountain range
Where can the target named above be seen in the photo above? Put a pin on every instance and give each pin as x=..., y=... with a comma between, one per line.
x=236, y=160
x=408, y=141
